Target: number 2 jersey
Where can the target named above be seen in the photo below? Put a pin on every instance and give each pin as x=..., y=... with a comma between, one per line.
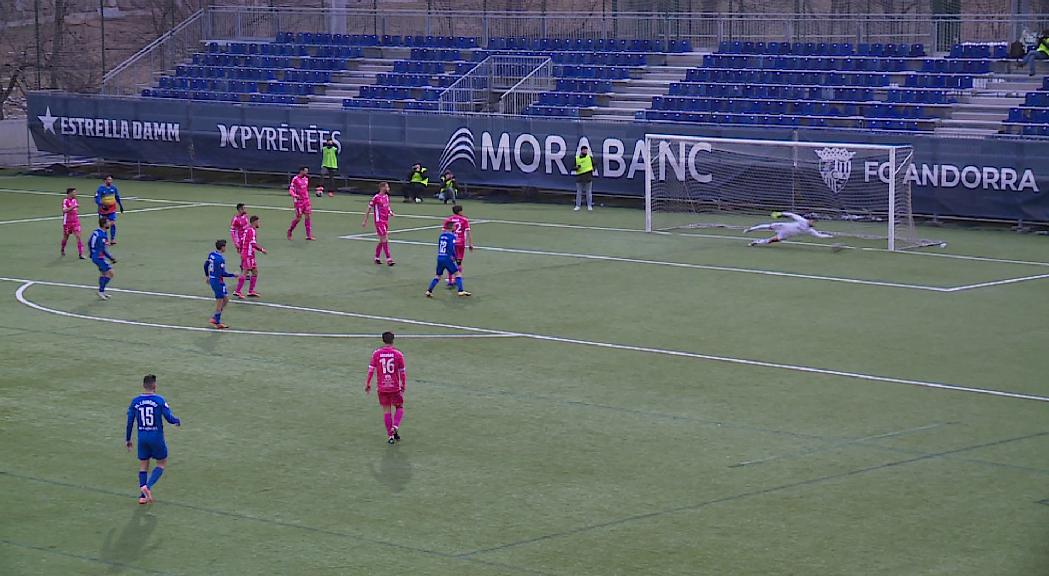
x=388, y=364
x=148, y=412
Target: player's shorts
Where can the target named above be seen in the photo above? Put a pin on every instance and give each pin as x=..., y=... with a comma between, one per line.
x=302, y=208
x=156, y=449
x=460, y=252
x=247, y=262
x=103, y=266
x=71, y=227
x=786, y=230
x=112, y=216
x=329, y=171
x=219, y=288
x=390, y=398
x=382, y=228
x=446, y=264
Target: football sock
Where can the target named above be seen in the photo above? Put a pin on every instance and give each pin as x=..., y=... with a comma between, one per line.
x=251, y=285
x=459, y=283
x=79, y=247
x=433, y=284
x=102, y=282
x=309, y=227
x=142, y=475
x=397, y=415
x=386, y=249
x=155, y=476
x=217, y=317
x=64, y=244
x=113, y=232
x=388, y=418
x=240, y=283
x=378, y=250
x=294, y=223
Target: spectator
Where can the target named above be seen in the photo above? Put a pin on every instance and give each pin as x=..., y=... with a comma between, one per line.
x=449, y=188
x=415, y=188
x=1039, y=52
x=584, y=178
x=330, y=165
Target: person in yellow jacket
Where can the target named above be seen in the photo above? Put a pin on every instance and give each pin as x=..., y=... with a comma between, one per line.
x=584, y=178
x=415, y=188
x=1039, y=52
x=330, y=165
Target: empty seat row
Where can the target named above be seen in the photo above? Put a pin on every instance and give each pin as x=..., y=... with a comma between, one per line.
x=957, y=66
x=588, y=86
x=238, y=61
x=787, y=78
x=1037, y=99
x=462, y=42
x=190, y=94
x=991, y=50
x=779, y=120
x=603, y=58
x=426, y=106
x=436, y=54
x=368, y=103
x=398, y=93
x=578, y=100
x=266, y=49
x=267, y=74
x=764, y=62
x=598, y=72
x=795, y=107
x=558, y=111
x=938, y=81
x=1029, y=115
x=589, y=45
x=776, y=92
x=396, y=79
x=1035, y=130
x=413, y=67
x=920, y=97
x=822, y=49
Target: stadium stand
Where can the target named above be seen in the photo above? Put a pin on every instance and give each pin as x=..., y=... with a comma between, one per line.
x=970, y=90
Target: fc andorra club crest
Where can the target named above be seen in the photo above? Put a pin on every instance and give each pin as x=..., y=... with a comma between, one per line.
x=835, y=167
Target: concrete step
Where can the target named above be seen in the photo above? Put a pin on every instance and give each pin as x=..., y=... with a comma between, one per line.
x=646, y=89
x=995, y=101
x=611, y=117
x=631, y=98
x=963, y=131
x=627, y=106
x=689, y=59
x=980, y=116
x=666, y=77
x=993, y=126
x=341, y=93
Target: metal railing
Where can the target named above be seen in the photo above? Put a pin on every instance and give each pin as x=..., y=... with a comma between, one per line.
x=527, y=90
x=140, y=70
x=483, y=88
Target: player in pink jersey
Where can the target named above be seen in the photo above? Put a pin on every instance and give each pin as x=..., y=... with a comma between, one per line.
x=248, y=268
x=388, y=362
x=463, y=238
x=71, y=222
x=379, y=206
x=300, y=191
x=237, y=225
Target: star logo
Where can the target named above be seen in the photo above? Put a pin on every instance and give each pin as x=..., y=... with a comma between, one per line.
x=48, y=121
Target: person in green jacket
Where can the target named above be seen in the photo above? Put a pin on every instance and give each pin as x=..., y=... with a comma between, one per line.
x=449, y=188
x=330, y=165
x=584, y=178
x=1039, y=52
x=415, y=188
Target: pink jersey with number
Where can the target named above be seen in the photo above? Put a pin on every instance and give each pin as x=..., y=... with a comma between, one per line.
x=248, y=243
x=460, y=226
x=300, y=189
x=380, y=204
x=70, y=218
x=388, y=364
x=237, y=226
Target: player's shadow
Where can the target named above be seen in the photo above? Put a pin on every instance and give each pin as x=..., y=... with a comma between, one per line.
x=394, y=470
x=132, y=543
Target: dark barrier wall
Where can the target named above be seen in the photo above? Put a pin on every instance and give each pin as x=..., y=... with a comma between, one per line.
x=986, y=178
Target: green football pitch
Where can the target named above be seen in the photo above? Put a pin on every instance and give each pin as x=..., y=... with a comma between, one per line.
x=608, y=401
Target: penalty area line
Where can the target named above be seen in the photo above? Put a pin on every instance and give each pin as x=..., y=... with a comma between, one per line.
x=597, y=344
x=93, y=215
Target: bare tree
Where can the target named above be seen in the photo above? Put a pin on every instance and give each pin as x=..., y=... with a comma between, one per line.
x=59, y=34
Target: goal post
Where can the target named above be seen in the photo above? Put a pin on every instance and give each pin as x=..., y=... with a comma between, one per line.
x=850, y=189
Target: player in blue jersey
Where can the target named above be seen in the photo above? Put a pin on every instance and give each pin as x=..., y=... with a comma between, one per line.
x=107, y=198
x=98, y=246
x=446, y=260
x=215, y=275
x=148, y=412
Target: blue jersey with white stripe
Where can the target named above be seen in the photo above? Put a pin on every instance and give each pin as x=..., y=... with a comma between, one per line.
x=215, y=267
x=97, y=245
x=147, y=412
x=446, y=246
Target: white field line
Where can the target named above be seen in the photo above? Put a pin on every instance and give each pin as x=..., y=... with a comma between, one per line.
x=93, y=215
x=590, y=343
x=570, y=226
x=478, y=333
x=997, y=283
x=688, y=265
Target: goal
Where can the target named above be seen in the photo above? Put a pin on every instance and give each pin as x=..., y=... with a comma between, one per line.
x=854, y=190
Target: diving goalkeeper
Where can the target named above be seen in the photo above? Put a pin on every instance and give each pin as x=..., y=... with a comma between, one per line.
x=785, y=230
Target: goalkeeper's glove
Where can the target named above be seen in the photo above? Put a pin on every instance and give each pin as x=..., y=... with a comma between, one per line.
x=777, y=214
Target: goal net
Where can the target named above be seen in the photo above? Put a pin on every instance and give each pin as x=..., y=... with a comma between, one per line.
x=853, y=190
